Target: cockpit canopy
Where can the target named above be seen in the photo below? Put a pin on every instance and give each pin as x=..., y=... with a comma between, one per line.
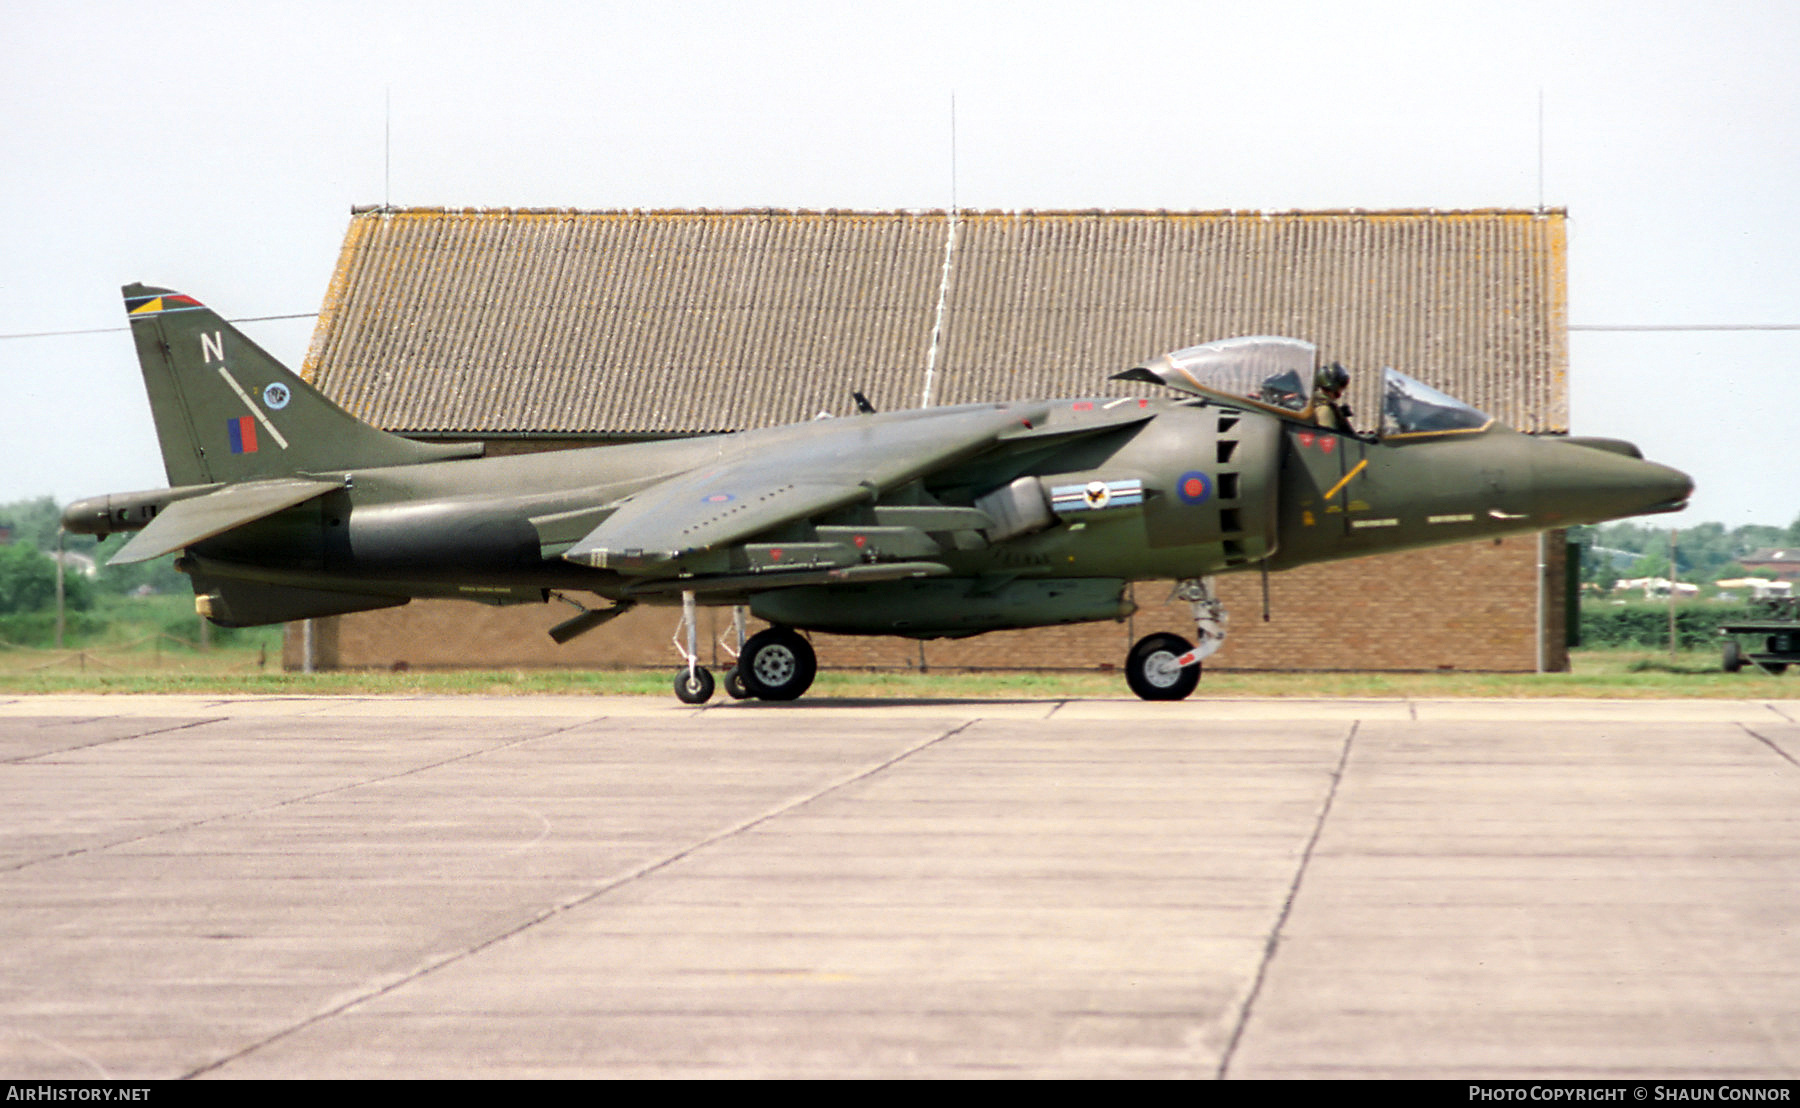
x=1410, y=407
x=1266, y=368
x=1281, y=373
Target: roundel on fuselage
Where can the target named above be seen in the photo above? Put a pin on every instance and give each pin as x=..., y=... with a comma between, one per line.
x=1193, y=487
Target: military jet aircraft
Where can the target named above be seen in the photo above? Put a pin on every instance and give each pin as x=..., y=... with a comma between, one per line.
x=935, y=522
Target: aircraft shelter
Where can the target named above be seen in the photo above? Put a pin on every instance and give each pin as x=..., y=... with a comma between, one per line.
x=545, y=329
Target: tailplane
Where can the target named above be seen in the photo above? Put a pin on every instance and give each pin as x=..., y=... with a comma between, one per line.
x=227, y=411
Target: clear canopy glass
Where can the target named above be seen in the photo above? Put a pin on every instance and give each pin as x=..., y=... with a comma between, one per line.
x=1282, y=373
x=1265, y=368
x=1410, y=407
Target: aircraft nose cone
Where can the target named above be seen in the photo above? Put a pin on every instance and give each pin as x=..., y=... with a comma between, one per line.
x=1670, y=486
x=1587, y=484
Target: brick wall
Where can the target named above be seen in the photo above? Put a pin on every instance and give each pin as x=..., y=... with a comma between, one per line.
x=1468, y=607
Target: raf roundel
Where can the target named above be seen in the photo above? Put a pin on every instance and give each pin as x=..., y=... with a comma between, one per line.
x=1193, y=487
x=276, y=396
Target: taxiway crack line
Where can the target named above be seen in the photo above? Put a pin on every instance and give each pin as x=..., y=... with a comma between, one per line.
x=1287, y=906
x=191, y=824
x=28, y=759
x=1771, y=744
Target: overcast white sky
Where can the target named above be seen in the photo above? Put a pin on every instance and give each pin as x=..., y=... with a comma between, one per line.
x=218, y=148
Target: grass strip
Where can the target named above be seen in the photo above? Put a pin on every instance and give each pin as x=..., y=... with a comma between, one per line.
x=1603, y=674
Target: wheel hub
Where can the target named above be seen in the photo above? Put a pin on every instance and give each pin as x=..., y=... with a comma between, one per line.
x=774, y=666
x=1160, y=669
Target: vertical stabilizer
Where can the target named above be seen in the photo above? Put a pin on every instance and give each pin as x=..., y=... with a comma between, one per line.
x=227, y=411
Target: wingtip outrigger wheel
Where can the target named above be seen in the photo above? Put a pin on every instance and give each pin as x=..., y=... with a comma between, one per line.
x=694, y=684
x=734, y=685
x=734, y=677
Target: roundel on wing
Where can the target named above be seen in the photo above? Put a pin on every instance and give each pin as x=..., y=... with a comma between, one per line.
x=1193, y=487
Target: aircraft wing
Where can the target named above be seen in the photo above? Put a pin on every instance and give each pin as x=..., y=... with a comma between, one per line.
x=186, y=522
x=789, y=476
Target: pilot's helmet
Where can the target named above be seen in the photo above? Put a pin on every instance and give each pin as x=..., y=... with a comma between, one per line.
x=1332, y=380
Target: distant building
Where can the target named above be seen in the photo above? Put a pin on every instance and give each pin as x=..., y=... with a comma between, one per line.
x=1758, y=588
x=73, y=561
x=1656, y=586
x=534, y=330
x=1782, y=564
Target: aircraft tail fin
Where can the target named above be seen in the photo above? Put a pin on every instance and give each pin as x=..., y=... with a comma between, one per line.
x=226, y=410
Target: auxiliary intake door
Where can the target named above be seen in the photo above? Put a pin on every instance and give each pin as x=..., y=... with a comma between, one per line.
x=1221, y=486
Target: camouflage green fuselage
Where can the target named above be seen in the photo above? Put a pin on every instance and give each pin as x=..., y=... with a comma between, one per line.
x=1137, y=490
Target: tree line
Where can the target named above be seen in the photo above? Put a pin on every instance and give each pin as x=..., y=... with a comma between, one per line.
x=1611, y=552
x=1704, y=553
x=28, y=571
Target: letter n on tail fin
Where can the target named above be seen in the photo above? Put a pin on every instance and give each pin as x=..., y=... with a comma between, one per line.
x=227, y=411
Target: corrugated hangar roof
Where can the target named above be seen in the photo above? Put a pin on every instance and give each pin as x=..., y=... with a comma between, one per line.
x=502, y=322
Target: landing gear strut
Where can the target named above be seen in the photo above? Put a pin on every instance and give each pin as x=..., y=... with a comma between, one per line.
x=694, y=683
x=776, y=664
x=1167, y=667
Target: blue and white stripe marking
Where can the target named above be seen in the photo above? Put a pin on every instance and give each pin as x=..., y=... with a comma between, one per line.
x=1095, y=495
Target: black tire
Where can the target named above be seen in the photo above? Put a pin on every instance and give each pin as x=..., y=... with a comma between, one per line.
x=777, y=664
x=1773, y=669
x=695, y=689
x=1148, y=670
x=734, y=685
x=1734, y=656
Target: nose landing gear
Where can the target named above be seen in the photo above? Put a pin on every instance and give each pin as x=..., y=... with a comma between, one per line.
x=1167, y=667
x=1152, y=671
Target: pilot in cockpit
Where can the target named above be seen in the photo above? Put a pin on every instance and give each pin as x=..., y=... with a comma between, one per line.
x=1328, y=407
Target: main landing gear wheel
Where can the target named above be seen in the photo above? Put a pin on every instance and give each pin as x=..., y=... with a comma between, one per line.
x=777, y=664
x=695, y=687
x=1151, y=671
